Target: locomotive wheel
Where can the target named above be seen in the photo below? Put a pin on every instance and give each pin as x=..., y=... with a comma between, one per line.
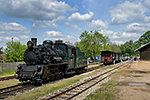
x=78, y=71
x=83, y=70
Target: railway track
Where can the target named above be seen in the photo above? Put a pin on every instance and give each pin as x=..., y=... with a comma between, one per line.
x=5, y=92
x=101, y=66
x=7, y=78
x=75, y=90
x=12, y=89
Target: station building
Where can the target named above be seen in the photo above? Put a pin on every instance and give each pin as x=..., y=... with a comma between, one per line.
x=144, y=51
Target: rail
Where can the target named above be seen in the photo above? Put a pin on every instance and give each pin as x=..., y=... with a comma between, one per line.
x=77, y=89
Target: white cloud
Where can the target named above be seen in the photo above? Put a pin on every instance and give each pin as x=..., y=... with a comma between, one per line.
x=118, y=42
x=35, y=9
x=70, y=38
x=11, y=30
x=137, y=27
x=147, y=3
x=128, y=36
x=109, y=33
x=53, y=34
x=97, y=24
x=73, y=26
x=77, y=27
x=120, y=36
x=77, y=17
x=24, y=37
x=53, y=39
x=45, y=23
x=8, y=28
x=6, y=38
x=56, y=35
x=147, y=19
x=127, y=12
x=67, y=23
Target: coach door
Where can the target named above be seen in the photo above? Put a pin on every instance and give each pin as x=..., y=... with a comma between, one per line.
x=72, y=57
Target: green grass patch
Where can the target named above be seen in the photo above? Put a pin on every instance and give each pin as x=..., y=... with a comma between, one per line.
x=7, y=73
x=106, y=92
x=118, y=72
x=47, y=88
x=7, y=83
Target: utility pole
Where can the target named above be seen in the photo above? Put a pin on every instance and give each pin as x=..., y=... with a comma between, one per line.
x=12, y=46
x=12, y=40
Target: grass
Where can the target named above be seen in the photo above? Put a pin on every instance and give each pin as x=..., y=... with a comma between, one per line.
x=107, y=90
x=118, y=72
x=8, y=83
x=46, y=89
x=7, y=73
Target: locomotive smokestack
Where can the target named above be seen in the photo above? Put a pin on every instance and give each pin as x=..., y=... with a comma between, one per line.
x=34, y=40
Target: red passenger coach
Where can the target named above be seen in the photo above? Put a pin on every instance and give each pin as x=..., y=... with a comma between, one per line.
x=107, y=57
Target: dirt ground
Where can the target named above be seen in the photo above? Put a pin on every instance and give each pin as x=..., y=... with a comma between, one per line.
x=134, y=83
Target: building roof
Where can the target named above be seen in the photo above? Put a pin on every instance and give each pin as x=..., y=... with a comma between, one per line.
x=142, y=47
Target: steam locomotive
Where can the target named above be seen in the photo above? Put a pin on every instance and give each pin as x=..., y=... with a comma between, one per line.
x=49, y=61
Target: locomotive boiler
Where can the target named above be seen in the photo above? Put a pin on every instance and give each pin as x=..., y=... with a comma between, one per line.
x=49, y=60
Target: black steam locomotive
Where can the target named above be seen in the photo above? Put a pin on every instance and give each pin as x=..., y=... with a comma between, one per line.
x=50, y=61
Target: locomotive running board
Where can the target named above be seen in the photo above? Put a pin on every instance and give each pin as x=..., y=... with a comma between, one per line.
x=65, y=63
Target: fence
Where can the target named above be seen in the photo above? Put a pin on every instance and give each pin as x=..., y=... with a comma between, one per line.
x=9, y=66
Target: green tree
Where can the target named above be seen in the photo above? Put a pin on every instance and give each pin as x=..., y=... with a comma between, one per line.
x=1, y=54
x=92, y=43
x=115, y=48
x=128, y=47
x=106, y=47
x=14, y=51
x=144, y=39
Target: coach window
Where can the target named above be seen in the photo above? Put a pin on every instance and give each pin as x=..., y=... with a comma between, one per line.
x=73, y=52
x=70, y=51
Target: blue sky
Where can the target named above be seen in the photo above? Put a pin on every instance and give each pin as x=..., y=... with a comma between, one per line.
x=121, y=20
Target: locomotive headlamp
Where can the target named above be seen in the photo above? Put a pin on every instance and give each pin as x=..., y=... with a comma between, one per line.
x=30, y=44
x=39, y=68
x=19, y=67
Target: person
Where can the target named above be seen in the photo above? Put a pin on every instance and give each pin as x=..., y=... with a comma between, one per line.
x=114, y=62
x=121, y=60
x=90, y=61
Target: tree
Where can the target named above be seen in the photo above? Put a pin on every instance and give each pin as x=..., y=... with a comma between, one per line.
x=106, y=47
x=115, y=48
x=144, y=39
x=92, y=43
x=1, y=54
x=128, y=47
x=14, y=51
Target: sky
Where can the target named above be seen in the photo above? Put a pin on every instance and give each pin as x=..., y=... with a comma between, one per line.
x=120, y=20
